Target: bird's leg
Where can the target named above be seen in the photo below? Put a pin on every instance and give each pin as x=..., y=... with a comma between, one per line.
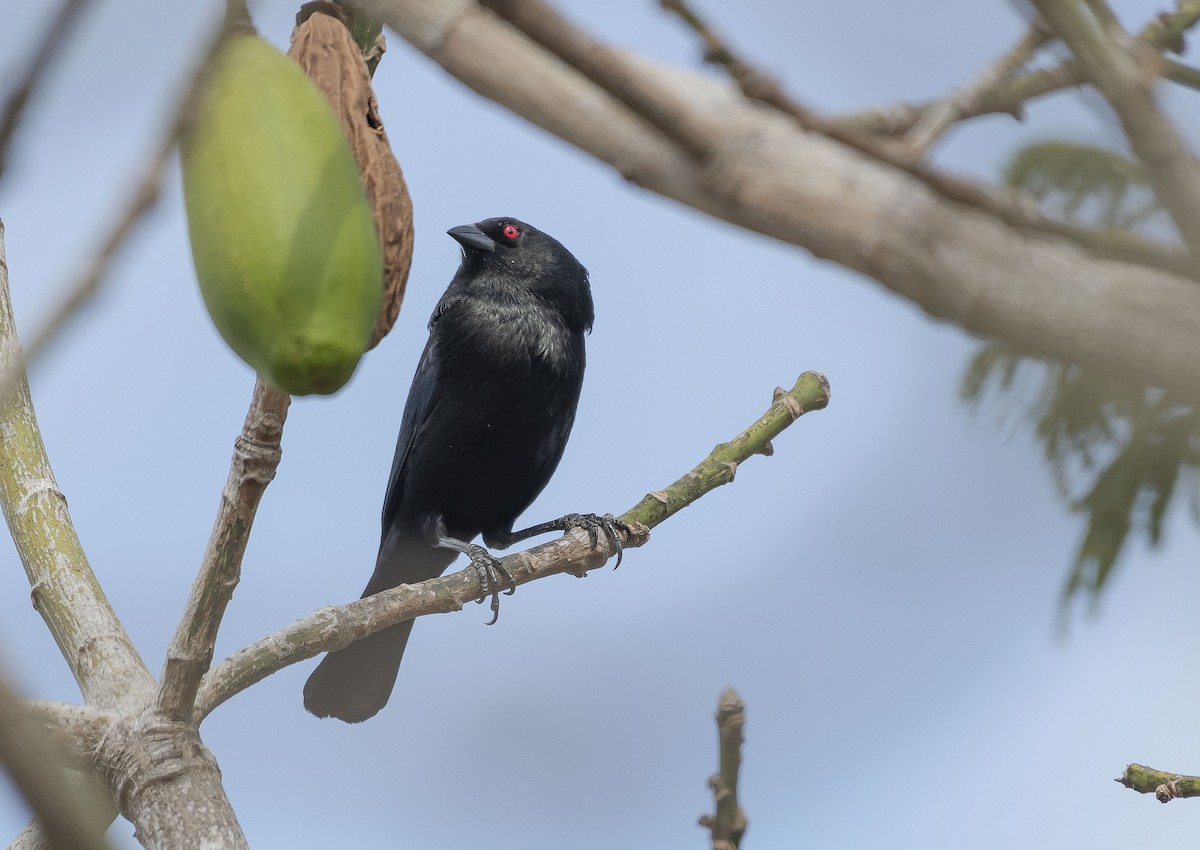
x=592, y=523
x=492, y=574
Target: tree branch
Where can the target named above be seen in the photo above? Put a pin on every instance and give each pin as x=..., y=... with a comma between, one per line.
x=34, y=763
x=1007, y=206
x=728, y=824
x=76, y=728
x=1110, y=58
x=143, y=199
x=335, y=627
x=256, y=454
x=65, y=590
x=1167, y=30
x=601, y=64
x=1041, y=293
x=1010, y=95
x=1165, y=786
x=941, y=115
x=14, y=107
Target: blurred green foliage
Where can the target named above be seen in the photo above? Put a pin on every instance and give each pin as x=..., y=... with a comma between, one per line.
x=1117, y=451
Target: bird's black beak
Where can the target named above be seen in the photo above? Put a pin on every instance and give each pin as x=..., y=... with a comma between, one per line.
x=470, y=236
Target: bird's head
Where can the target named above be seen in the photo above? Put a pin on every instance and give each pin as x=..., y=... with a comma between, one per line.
x=509, y=250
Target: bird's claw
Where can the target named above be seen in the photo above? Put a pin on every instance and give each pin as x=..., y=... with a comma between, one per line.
x=492, y=577
x=593, y=524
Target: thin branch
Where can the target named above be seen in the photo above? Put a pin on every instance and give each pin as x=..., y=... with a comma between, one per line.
x=256, y=454
x=728, y=824
x=1008, y=97
x=1183, y=74
x=811, y=392
x=335, y=627
x=14, y=107
x=600, y=64
x=1165, y=786
x=936, y=120
x=65, y=590
x=1008, y=206
x=754, y=83
x=1110, y=58
x=34, y=764
x=1037, y=291
x=142, y=200
x=1011, y=94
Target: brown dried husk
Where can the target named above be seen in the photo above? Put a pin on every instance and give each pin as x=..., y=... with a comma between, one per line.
x=324, y=49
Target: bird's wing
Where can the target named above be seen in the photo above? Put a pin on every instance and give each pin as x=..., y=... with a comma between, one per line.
x=420, y=404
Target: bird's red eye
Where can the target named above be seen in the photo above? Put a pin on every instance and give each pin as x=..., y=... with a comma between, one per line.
x=510, y=232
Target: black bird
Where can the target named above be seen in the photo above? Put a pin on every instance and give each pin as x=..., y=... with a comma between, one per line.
x=485, y=425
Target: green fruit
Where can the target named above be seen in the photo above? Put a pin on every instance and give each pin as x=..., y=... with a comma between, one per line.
x=282, y=235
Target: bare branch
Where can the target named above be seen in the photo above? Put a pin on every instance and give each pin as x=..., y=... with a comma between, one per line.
x=1007, y=206
x=34, y=763
x=728, y=824
x=335, y=627
x=1042, y=294
x=64, y=20
x=144, y=197
x=1010, y=95
x=601, y=65
x=65, y=590
x=1165, y=786
x=941, y=115
x=256, y=454
x=1116, y=63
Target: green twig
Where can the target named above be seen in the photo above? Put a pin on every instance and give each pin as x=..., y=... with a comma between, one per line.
x=1167, y=30
x=335, y=627
x=811, y=392
x=1165, y=786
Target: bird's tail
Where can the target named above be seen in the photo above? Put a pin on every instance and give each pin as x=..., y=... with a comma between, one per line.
x=354, y=683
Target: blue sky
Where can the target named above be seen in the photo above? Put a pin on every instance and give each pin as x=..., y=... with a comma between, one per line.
x=883, y=591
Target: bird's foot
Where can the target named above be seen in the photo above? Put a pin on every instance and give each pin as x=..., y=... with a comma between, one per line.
x=493, y=578
x=593, y=524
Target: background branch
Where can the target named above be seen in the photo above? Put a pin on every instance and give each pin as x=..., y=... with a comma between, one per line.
x=957, y=263
x=601, y=64
x=143, y=199
x=335, y=627
x=1109, y=57
x=77, y=728
x=728, y=824
x=66, y=817
x=941, y=115
x=14, y=106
